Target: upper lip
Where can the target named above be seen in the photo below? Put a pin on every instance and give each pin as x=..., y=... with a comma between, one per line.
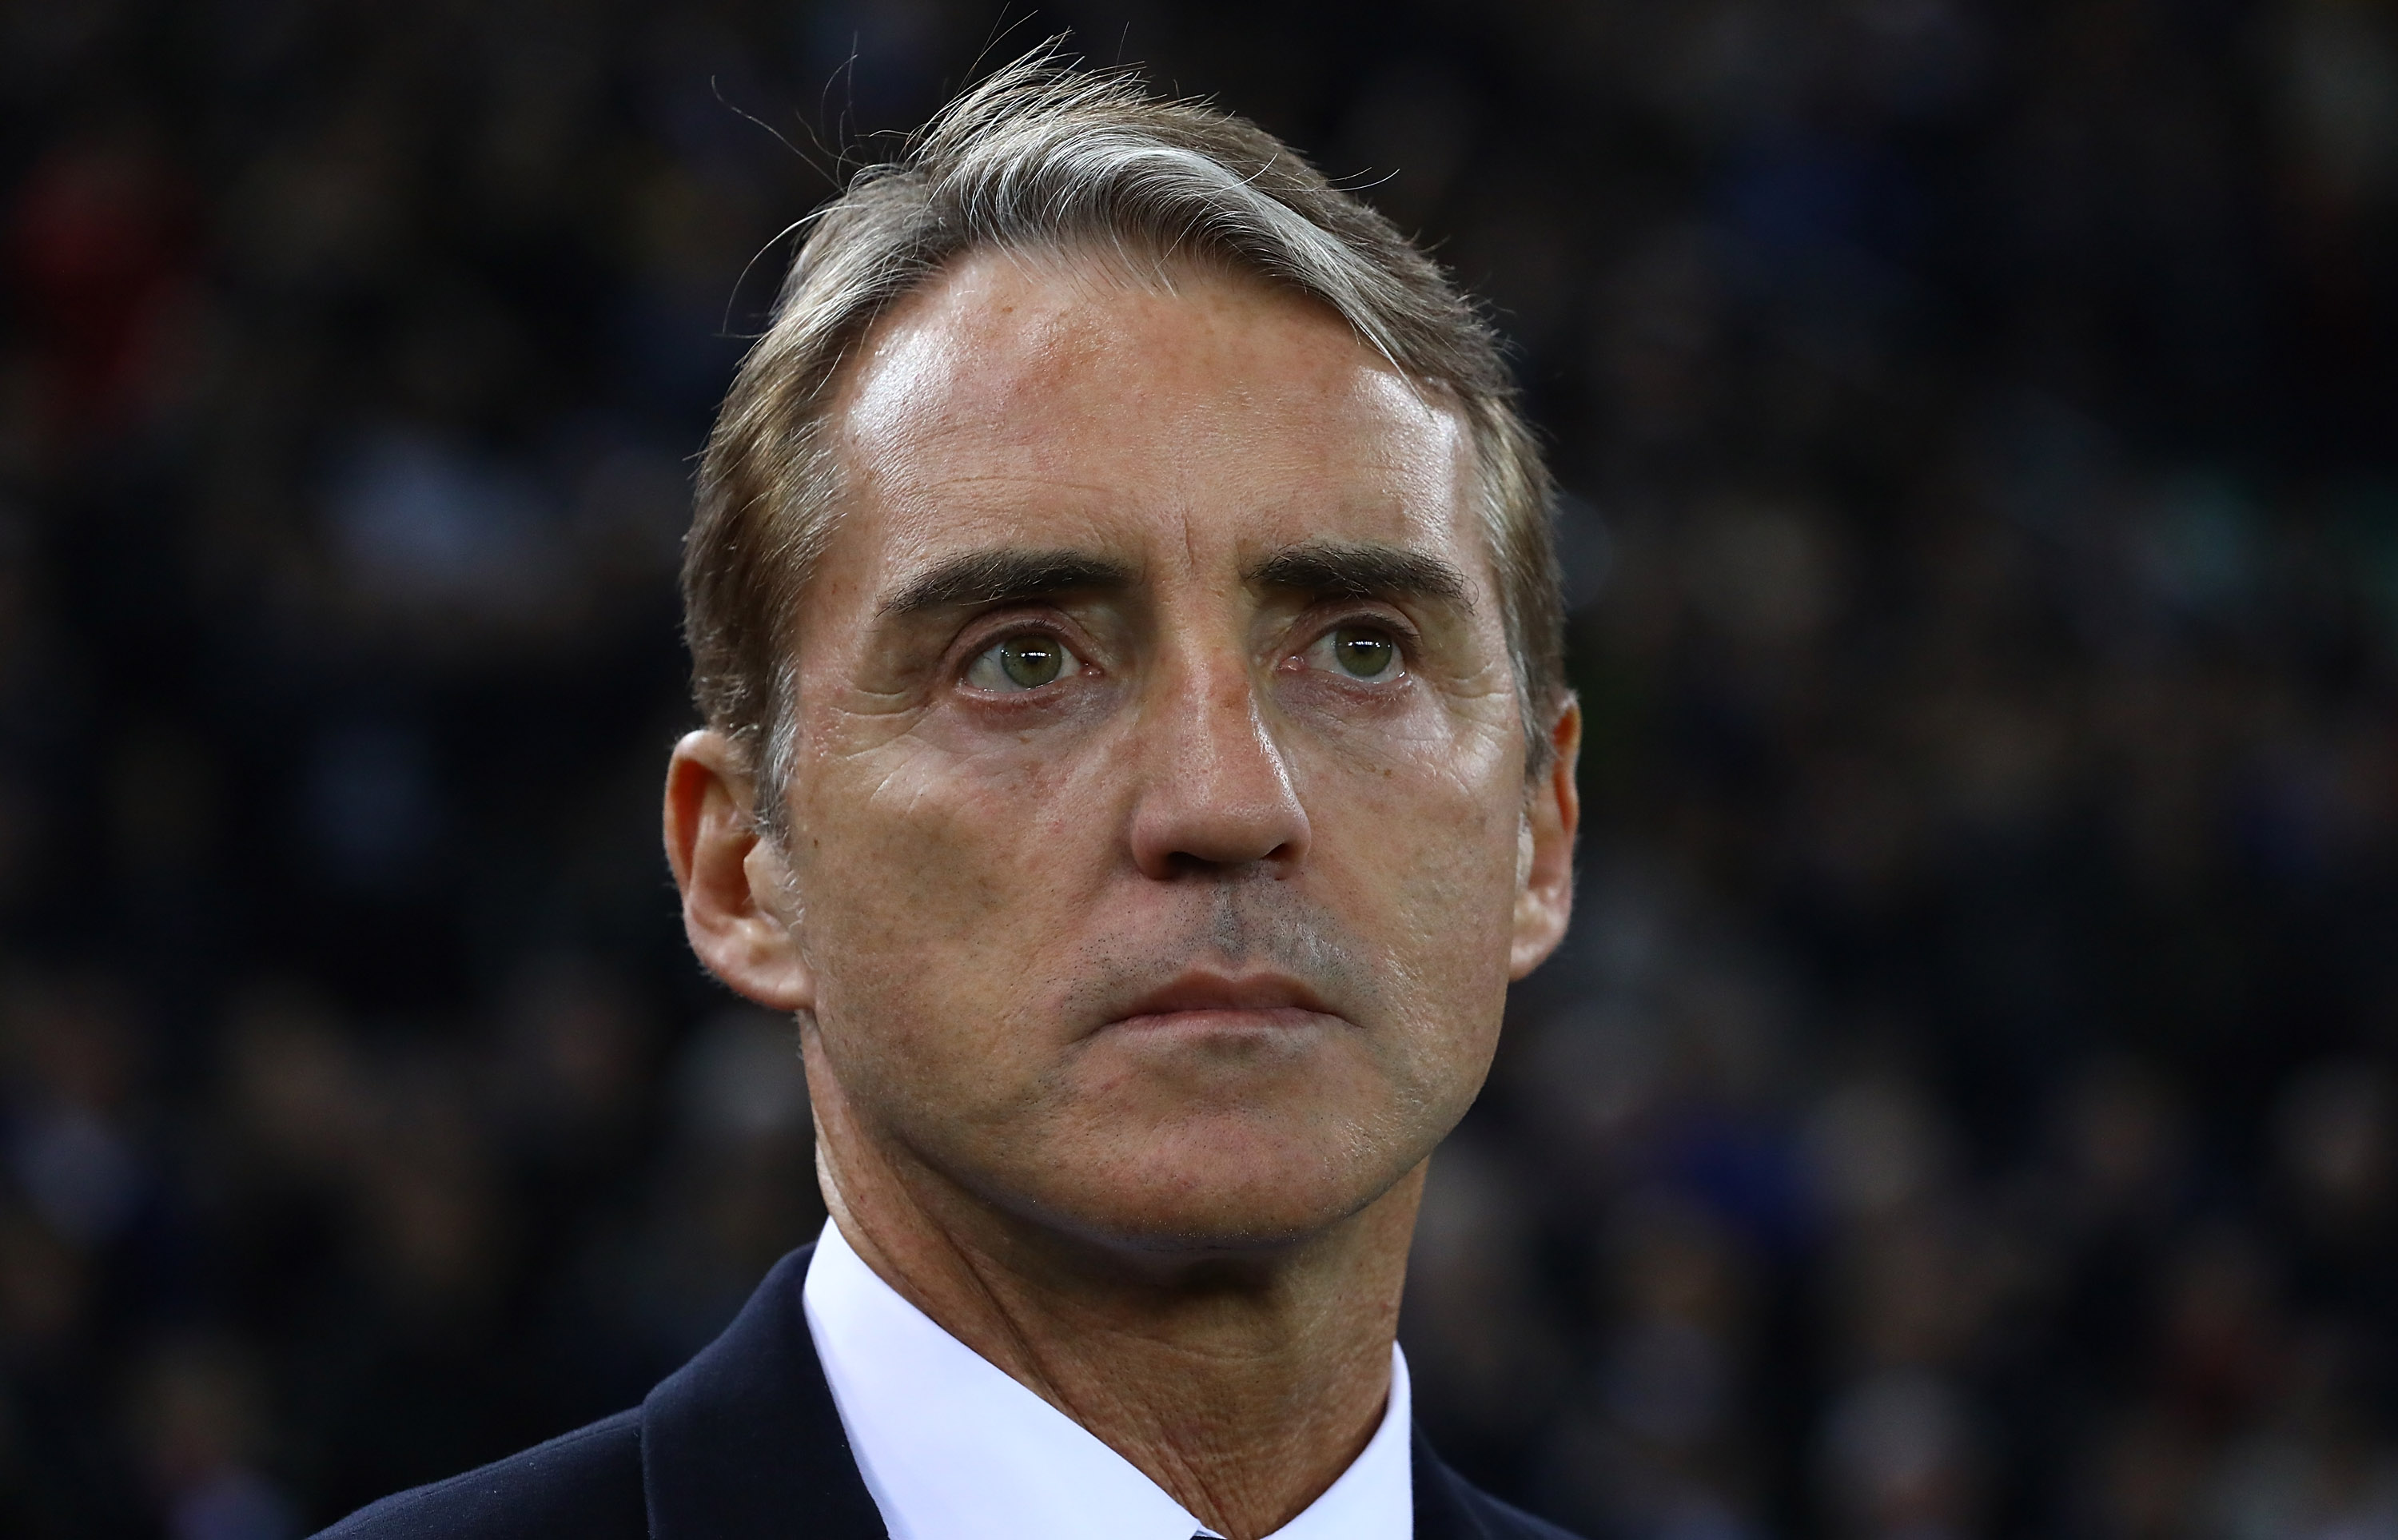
x=1216, y=992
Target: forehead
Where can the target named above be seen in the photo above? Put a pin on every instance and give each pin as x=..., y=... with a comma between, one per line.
x=1055, y=399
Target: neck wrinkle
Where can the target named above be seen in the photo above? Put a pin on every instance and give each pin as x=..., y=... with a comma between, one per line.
x=1245, y=1440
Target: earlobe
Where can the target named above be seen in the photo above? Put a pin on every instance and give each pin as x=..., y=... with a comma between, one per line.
x=1545, y=852
x=739, y=906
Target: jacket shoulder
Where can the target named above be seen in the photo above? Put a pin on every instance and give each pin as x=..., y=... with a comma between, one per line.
x=1505, y=1522
x=584, y=1485
x=1451, y=1508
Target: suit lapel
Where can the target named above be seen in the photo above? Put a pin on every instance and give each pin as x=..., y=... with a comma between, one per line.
x=744, y=1441
x=1441, y=1510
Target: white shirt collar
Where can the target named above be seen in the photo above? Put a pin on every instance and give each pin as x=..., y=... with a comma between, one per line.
x=953, y=1449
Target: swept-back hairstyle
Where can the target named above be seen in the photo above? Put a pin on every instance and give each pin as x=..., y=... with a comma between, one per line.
x=1043, y=156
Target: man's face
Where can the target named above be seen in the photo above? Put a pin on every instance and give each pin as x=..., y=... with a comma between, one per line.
x=1158, y=813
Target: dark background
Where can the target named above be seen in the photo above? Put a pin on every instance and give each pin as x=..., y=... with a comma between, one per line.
x=1963, y=1107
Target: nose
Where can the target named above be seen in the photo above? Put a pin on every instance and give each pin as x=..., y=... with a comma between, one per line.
x=1216, y=791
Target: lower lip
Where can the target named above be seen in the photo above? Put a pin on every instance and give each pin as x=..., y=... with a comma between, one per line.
x=1279, y=1018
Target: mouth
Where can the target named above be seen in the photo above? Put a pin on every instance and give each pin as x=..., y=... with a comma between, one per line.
x=1209, y=1003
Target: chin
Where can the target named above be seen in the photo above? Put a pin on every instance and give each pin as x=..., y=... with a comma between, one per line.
x=1218, y=1190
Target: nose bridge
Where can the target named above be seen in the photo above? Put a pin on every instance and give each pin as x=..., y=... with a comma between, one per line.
x=1210, y=713
x=1216, y=788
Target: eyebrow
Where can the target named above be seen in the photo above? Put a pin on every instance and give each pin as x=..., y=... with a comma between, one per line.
x=1000, y=577
x=1362, y=571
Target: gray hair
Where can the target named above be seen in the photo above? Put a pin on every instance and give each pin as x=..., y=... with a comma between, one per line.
x=1044, y=156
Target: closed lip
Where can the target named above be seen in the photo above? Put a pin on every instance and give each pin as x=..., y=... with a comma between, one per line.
x=1257, y=995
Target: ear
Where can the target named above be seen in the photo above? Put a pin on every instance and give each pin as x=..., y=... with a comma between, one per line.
x=738, y=902
x=1544, y=872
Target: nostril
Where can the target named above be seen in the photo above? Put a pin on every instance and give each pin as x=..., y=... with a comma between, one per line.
x=1195, y=863
x=1178, y=836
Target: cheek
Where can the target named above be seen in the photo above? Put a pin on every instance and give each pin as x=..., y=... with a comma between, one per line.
x=1422, y=852
x=1435, y=807
x=950, y=873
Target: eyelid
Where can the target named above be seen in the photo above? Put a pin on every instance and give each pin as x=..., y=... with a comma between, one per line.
x=1010, y=616
x=1347, y=613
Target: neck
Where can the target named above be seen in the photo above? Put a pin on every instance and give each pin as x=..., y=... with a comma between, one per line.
x=1242, y=1383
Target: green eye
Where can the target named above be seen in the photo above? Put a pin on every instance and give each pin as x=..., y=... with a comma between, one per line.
x=1031, y=663
x=1363, y=653
x=1020, y=662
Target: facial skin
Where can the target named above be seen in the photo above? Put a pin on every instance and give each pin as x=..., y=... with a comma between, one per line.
x=1160, y=839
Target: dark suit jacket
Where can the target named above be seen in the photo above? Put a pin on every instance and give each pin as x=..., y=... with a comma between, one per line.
x=744, y=1443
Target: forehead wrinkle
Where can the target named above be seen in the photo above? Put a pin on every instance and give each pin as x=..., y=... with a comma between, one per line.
x=927, y=418
x=1052, y=326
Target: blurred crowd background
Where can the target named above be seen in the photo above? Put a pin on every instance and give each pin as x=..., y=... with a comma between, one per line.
x=1965, y=1107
